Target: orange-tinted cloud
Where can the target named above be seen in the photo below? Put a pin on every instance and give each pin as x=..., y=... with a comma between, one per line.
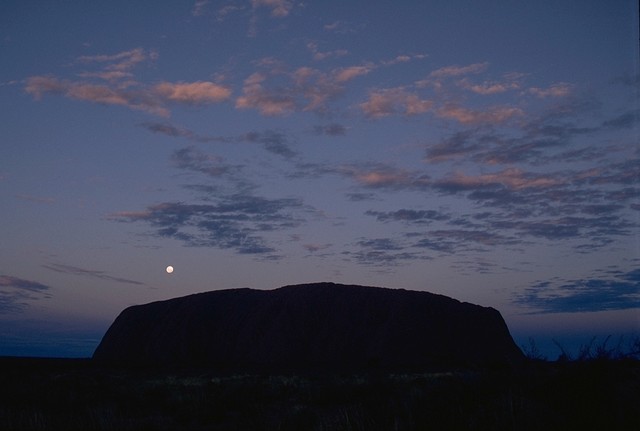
x=512, y=178
x=494, y=115
x=199, y=92
x=279, y=8
x=556, y=90
x=382, y=103
x=256, y=96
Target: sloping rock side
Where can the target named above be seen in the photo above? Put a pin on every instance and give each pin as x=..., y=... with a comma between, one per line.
x=321, y=327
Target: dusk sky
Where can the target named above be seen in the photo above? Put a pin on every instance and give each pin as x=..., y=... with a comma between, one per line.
x=484, y=150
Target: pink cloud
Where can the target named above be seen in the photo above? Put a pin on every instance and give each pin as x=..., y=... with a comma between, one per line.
x=495, y=115
x=199, y=92
x=39, y=85
x=279, y=8
x=556, y=90
x=256, y=96
x=306, y=88
x=488, y=88
x=101, y=94
x=382, y=103
x=348, y=73
x=318, y=55
x=512, y=178
x=449, y=71
x=383, y=176
x=404, y=59
x=121, y=61
x=199, y=7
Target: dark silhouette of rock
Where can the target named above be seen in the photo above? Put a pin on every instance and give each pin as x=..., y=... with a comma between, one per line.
x=320, y=327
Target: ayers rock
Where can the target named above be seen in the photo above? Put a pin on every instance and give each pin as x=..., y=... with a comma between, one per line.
x=319, y=327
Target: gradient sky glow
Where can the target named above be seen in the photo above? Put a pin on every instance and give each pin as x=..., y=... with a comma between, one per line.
x=484, y=150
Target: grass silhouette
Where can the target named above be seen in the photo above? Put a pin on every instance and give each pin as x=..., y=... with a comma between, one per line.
x=600, y=390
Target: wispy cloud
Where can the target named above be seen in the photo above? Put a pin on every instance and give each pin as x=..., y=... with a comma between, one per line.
x=618, y=290
x=199, y=7
x=91, y=273
x=35, y=199
x=382, y=103
x=279, y=8
x=382, y=176
x=323, y=55
x=114, y=84
x=561, y=89
x=454, y=71
x=16, y=293
x=410, y=215
x=333, y=129
x=275, y=142
x=275, y=90
x=490, y=115
x=200, y=92
x=238, y=222
x=511, y=178
x=193, y=159
x=256, y=96
x=381, y=252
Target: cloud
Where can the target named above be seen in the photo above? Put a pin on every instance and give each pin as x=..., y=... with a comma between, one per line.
x=455, y=240
x=381, y=176
x=276, y=91
x=200, y=92
x=561, y=89
x=238, y=222
x=489, y=87
x=348, y=73
x=274, y=142
x=195, y=160
x=314, y=248
x=382, y=103
x=599, y=230
x=342, y=27
x=491, y=115
x=199, y=7
x=381, y=252
x=141, y=100
x=333, y=129
x=35, y=199
x=404, y=59
x=454, y=71
x=410, y=215
x=16, y=293
x=114, y=84
x=319, y=55
x=91, y=273
x=173, y=131
x=122, y=61
x=533, y=142
x=618, y=292
x=458, y=145
x=222, y=13
x=279, y=8
x=511, y=178
x=270, y=103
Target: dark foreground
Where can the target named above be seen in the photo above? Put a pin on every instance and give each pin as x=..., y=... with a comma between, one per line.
x=47, y=394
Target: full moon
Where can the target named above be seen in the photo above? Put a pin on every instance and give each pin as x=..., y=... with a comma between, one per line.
x=169, y=269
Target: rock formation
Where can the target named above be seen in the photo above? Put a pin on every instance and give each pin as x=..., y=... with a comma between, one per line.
x=322, y=327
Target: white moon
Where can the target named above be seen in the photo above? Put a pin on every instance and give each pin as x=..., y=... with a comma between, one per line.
x=169, y=269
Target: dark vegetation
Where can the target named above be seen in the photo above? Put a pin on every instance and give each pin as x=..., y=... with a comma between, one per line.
x=597, y=388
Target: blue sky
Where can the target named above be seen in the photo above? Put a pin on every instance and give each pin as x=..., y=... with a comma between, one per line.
x=486, y=151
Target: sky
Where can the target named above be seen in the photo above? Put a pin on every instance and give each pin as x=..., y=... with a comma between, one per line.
x=487, y=151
